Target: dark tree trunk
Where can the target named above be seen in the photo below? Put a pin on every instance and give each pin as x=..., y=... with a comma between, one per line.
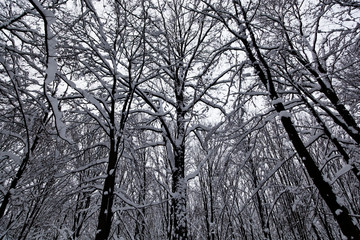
x=179, y=186
x=340, y=212
x=179, y=198
x=18, y=175
x=83, y=202
x=333, y=139
x=264, y=224
x=140, y=217
x=320, y=75
x=13, y=185
x=105, y=215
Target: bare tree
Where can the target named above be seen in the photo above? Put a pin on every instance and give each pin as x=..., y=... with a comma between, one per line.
x=109, y=57
x=27, y=54
x=182, y=55
x=184, y=119
x=244, y=17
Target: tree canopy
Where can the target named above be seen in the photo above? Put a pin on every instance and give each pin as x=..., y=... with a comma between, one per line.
x=179, y=119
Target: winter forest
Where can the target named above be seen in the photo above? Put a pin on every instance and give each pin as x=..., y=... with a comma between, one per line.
x=179, y=119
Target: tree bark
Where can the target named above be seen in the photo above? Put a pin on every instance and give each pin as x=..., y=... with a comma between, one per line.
x=105, y=215
x=179, y=183
x=179, y=186
x=340, y=212
x=320, y=75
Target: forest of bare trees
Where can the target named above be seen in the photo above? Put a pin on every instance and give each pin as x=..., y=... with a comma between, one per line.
x=179, y=119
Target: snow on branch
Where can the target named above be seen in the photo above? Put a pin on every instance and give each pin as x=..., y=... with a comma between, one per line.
x=51, y=65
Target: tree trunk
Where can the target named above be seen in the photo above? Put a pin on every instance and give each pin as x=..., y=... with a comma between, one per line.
x=105, y=215
x=179, y=195
x=178, y=173
x=18, y=175
x=259, y=204
x=340, y=212
x=320, y=74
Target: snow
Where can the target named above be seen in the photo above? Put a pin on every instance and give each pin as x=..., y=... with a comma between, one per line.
x=145, y=173
x=340, y=201
x=341, y=172
x=51, y=67
x=7, y=154
x=277, y=101
x=47, y=13
x=261, y=184
x=83, y=168
x=170, y=154
x=338, y=212
x=353, y=130
x=284, y=114
x=101, y=108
